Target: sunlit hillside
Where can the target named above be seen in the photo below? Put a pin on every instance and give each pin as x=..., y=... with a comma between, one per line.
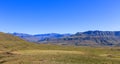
x=11, y=43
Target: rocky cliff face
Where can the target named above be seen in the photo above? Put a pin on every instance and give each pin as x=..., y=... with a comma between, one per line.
x=89, y=38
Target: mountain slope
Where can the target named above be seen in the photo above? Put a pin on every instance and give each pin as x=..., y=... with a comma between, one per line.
x=10, y=42
x=89, y=38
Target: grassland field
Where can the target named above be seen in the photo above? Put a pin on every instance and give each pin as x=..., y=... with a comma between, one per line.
x=55, y=54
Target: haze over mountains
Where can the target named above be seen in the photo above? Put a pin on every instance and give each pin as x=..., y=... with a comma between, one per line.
x=39, y=37
x=88, y=38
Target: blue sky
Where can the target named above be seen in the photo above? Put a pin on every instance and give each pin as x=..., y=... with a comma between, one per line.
x=59, y=16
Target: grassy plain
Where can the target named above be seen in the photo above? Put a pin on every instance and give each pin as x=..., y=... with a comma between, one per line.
x=54, y=54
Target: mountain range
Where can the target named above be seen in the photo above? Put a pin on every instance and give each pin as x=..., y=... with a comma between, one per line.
x=88, y=38
x=39, y=37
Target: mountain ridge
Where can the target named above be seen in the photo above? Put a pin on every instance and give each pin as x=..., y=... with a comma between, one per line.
x=88, y=38
x=39, y=37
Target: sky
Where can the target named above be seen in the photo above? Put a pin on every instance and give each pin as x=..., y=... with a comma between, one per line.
x=59, y=16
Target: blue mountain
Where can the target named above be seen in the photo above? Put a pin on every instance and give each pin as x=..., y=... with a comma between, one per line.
x=39, y=37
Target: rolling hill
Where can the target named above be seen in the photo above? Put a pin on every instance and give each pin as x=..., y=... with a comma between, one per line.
x=10, y=42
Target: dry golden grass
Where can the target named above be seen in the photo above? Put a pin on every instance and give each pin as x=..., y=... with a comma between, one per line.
x=55, y=52
x=78, y=55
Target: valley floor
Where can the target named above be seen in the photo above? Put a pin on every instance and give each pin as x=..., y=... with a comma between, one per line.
x=62, y=55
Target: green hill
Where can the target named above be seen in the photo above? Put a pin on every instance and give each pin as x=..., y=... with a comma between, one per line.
x=10, y=42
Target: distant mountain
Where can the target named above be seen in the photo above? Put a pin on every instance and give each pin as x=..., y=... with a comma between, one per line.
x=88, y=38
x=27, y=37
x=50, y=35
x=39, y=37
